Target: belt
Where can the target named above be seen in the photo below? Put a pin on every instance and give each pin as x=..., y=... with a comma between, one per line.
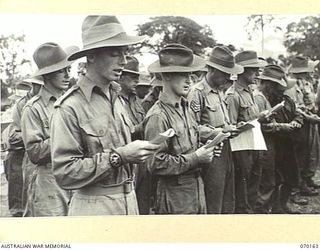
x=124, y=188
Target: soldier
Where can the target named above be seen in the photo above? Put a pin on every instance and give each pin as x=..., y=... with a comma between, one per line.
x=153, y=95
x=91, y=146
x=307, y=144
x=268, y=94
x=128, y=82
x=242, y=108
x=44, y=195
x=207, y=102
x=17, y=146
x=180, y=187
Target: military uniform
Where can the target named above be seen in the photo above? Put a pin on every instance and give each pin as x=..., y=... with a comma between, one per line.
x=87, y=125
x=266, y=160
x=15, y=159
x=209, y=108
x=242, y=108
x=180, y=187
x=142, y=176
x=45, y=197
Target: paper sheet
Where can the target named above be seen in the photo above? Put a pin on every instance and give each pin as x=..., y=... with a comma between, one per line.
x=251, y=139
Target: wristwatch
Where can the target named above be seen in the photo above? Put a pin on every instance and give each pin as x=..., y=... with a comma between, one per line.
x=115, y=159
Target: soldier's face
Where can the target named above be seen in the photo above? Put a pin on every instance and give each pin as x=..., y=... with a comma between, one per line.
x=59, y=79
x=109, y=62
x=218, y=78
x=249, y=75
x=129, y=83
x=180, y=83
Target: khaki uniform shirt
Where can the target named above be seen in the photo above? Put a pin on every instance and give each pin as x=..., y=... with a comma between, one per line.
x=177, y=156
x=208, y=105
x=86, y=126
x=240, y=103
x=35, y=127
x=15, y=137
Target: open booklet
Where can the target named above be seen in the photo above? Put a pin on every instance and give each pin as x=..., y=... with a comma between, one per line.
x=275, y=109
x=250, y=139
x=162, y=137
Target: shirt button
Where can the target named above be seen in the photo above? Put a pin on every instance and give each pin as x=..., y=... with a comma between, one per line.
x=101, y=132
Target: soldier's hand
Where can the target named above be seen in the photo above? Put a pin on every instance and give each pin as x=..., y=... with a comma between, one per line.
x=285, y=127
x=137, y=151
x=217, y=150
x=205, y=155
x=232, y=130
x=295, y=124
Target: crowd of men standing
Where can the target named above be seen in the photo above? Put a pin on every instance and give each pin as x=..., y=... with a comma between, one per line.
x=91, y=148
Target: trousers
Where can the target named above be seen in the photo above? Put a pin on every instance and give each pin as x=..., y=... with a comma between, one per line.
x=182, y=194
x=218, y=178
x=113, y=204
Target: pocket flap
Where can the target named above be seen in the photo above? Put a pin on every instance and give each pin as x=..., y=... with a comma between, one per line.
x=94, y=127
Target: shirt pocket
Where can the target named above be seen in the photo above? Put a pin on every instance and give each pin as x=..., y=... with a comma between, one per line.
x=215, y=114
x=181, y=141
x=95, y=135
x=249, y=111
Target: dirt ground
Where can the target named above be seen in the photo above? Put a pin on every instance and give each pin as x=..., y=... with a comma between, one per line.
x=312, y=208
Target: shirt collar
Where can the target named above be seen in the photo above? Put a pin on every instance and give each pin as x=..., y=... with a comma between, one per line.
x=46, y=95
x=240, y=87
x=165, y=98
x=87, y=86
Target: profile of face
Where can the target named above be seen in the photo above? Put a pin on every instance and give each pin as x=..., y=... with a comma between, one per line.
x=108, y=62
x=179, y=83
x=249, y=75
x=218, y=78
x=128, y=83
x=59, y=79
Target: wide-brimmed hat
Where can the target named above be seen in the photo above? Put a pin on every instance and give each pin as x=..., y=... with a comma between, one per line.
x=132, y=66
x=103, y=31
x=249, y=59
x=21, y=90
x=50, y=57
x=176, y=58
x=300, y=64
x=36, y=79
x=275, y=74
x=222, y=59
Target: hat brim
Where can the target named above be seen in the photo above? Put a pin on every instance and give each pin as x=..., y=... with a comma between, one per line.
x=259, y=64
x=156, y=83
x=236, y=70
x=134, y=72
x=52, y=68
x=119, y=40
x=33, y=80
x=197, y=64
x=282, y=82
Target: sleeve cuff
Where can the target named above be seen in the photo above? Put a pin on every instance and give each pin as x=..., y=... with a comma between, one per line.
x=193, y=159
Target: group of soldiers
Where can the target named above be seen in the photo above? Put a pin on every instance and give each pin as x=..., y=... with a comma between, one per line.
x=92, y=148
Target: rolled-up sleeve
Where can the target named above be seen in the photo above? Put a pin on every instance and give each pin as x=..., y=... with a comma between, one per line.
x=72, y=168
x=164, y=163
x=36, y=145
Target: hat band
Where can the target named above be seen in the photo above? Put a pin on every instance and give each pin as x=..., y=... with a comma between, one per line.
x=101, y=33
x=269, y=74
x=228, y=64
x=250, y=61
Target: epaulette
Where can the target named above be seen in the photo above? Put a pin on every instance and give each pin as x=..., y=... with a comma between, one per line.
x=32, y=100
x=61, y=99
